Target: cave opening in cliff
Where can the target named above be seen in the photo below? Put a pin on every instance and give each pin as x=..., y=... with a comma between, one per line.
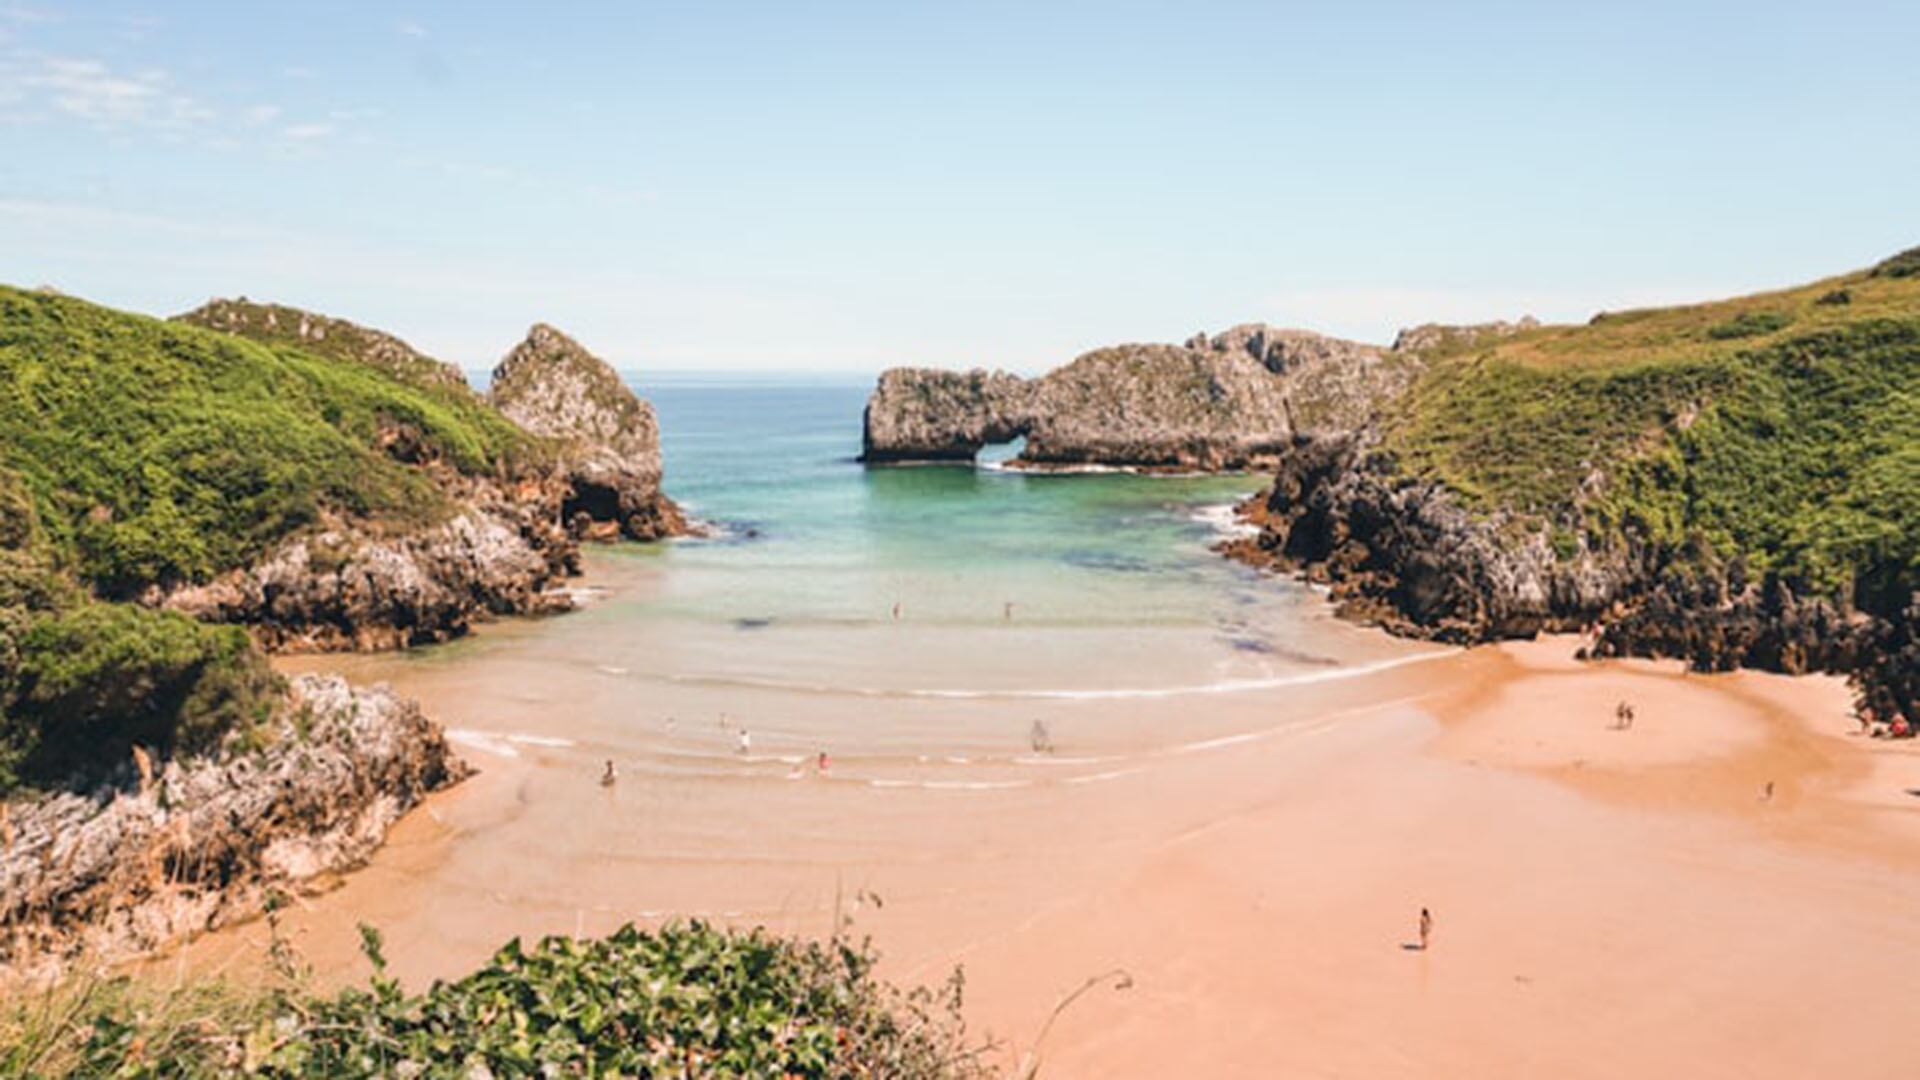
x=598, y=501
x=1001, y=452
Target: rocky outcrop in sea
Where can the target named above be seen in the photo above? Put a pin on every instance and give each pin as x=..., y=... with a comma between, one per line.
x=1233, y=400
x=136, y=865
x=608, y=439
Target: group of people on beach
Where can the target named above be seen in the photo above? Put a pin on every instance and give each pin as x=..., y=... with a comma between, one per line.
x=1623, y=717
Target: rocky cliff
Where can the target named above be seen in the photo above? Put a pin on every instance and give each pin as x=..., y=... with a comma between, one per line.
x=1229, y=401
x=1728, y=483
x=609, y=442
x=138, y=864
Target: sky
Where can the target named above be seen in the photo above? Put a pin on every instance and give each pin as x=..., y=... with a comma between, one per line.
x=820, y=186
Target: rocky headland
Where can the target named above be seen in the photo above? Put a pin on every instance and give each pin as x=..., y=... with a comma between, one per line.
x=606, y=437
x=179, y=496
x=1230, y=401
x=1689, y=482
x=588, y=468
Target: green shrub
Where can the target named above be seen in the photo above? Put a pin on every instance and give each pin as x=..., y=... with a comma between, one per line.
x=686, y=1000
x=1905, y=264
x=1749, y=324
x=96, y=679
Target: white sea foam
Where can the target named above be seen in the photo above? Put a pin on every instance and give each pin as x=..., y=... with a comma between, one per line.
x=1226, y=523
x=1223, y=686
x=538, y=740
x=504, y=743
x=1102, y=777
x=952, y=785
x=483, y=742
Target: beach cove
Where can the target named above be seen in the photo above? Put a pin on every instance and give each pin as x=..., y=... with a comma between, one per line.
x=1245, y=805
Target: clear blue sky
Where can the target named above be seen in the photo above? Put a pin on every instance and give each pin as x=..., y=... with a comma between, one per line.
x=849, y=186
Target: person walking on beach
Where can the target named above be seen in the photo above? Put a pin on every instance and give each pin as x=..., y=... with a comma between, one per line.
x=745, y=745
x=607, y=778
x=1040, y=738
x=896, y=611
x=821, y=764
x=1426, y=928
x=1006, y=611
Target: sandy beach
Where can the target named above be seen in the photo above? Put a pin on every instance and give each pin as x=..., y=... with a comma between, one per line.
x=1607, y=902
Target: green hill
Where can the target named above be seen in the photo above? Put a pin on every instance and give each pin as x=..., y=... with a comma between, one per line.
x=1735, y=483
x=1783, y=428
x=162, y=452
x=136, y=452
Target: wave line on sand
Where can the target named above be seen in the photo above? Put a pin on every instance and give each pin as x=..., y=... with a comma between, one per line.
x=1224, y=686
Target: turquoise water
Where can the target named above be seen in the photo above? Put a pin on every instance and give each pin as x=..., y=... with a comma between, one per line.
x=774, y=464
x=1003, y=580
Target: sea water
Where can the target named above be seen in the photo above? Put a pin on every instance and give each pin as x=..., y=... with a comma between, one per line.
x=941, y=579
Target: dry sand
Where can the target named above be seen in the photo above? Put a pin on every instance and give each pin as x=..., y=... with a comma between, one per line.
x=1608, y=903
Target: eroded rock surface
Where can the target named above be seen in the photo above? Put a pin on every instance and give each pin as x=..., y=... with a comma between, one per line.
x=1230, y=401
x=121, y=871
x=347, y=587
x=1403, y=553
x=610, y=442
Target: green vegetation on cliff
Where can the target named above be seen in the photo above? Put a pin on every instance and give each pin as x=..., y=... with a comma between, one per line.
x=686, y=1000
x=161, y=452
x=1782, y=428
x=136, y=452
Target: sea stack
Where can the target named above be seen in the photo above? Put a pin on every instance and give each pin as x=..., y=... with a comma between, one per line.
x=1229, y=401
x=608, y=438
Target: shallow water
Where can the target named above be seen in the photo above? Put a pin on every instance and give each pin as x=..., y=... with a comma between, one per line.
x=1137, y=650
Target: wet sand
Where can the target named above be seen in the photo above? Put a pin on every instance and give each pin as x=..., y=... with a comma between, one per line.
x=1607, y=902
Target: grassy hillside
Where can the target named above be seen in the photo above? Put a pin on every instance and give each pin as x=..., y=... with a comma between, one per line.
x=1782, y=427
x=156, y=451
x=135, y=451
x=336, y=339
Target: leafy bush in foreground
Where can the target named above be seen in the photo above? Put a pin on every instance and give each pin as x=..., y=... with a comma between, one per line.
x=686, y=1000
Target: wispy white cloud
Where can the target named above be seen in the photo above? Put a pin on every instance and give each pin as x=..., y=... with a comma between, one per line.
x=21, y=13
x=409, y=28
x=255, y=115
x=297, y=71
x=89, y=90
x=307, y=132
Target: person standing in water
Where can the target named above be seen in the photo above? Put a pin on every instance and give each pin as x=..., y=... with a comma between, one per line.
x=822, y=764
x=1426, y=928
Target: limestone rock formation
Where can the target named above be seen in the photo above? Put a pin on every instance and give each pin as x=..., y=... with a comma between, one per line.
x=1403, y=553
x=1231, y=401
x=118, y=872
x=1430, y=336
x=326, y=336
x=609, y=440
x=345, y=587
x=924, y=414
x=1408, y=556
